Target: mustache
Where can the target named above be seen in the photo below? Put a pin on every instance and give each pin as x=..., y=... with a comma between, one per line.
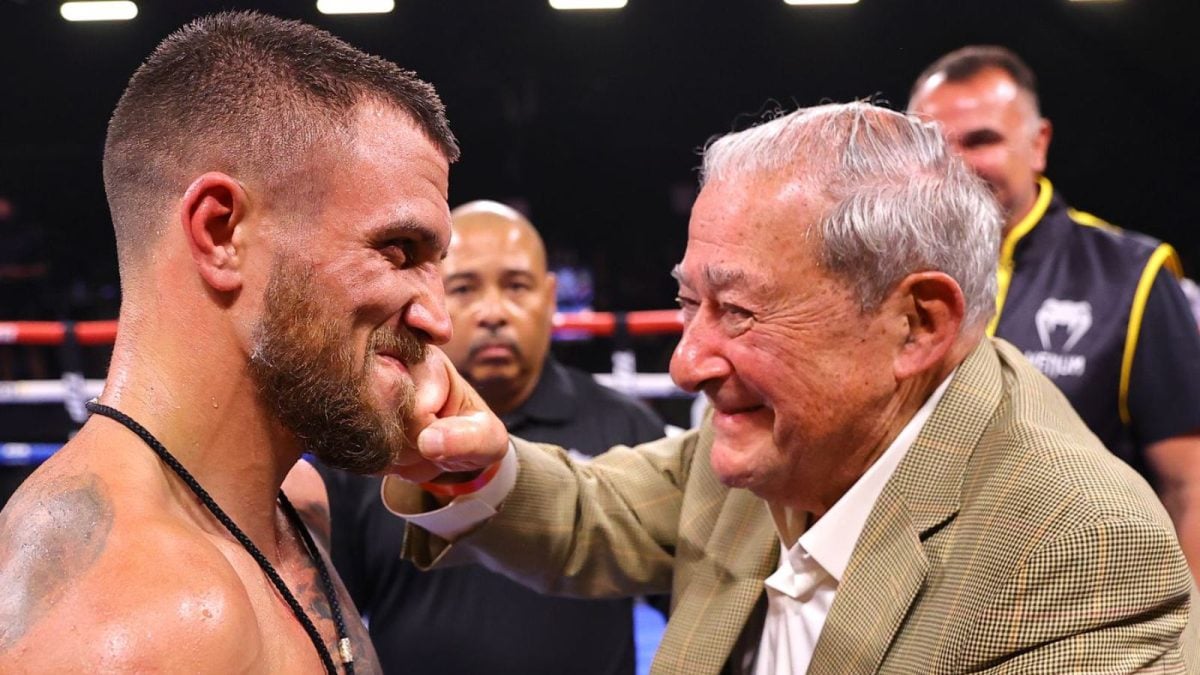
x=493, y=341
x=403, y=345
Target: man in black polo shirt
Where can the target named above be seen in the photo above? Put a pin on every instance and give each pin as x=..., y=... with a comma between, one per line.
x=469, y=620
x=1098, y=309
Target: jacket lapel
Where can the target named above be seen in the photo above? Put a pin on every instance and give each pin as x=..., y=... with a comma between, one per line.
x=889, y=564
x=709, y=616
x=883, y=577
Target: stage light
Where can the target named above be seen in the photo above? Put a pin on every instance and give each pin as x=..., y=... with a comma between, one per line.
x=588, y=4
x=821, y=2
x=355, y=6
x=98, y=11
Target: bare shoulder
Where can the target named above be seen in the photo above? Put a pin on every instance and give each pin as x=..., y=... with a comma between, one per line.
x=132, y=592
x=305, y=489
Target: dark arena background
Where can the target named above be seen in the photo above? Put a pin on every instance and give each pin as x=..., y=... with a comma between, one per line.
x=590, y=122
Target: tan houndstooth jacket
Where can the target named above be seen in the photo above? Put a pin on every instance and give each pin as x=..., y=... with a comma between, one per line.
x=1008, y=541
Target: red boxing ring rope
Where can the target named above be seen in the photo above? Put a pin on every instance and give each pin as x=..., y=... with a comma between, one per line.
x=92, y=333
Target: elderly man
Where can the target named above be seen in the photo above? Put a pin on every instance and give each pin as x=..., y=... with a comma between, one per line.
x=501, y=302
x=880, y=487
x=1098, y=309
x=279, y=200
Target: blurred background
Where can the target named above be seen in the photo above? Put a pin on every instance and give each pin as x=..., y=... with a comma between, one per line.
x=590, y=121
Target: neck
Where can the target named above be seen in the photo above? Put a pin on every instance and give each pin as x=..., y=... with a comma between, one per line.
x=209, y=418
x=789, y=523
x=1021, y=211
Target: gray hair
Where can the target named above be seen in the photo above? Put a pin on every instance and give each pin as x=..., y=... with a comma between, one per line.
x=899, y=200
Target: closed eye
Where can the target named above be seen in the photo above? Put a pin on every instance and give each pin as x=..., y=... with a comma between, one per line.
x=736, y=311
x=689, y=307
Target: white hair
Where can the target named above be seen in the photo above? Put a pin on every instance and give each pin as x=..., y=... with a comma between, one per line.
x=898, y=199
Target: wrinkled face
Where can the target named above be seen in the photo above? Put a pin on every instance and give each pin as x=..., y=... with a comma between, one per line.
x=994, y=127
x=795, y=373
x=501, y=301
x=354, y=297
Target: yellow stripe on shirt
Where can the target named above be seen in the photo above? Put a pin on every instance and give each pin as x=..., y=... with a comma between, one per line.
x=1164, y=255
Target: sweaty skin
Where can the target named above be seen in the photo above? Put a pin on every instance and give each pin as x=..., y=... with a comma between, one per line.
x=48, y=549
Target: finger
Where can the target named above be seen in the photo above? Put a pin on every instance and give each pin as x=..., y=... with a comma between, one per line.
x=464, y=443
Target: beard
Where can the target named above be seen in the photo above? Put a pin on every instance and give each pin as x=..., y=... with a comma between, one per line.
x=304, y=366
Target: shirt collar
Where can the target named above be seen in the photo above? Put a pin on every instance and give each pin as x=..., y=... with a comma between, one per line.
x=831, y=540
x=553, y=399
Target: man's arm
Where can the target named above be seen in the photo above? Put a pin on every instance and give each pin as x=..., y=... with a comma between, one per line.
x=606, y=528
x=305, y=489
x=1164, y=402
x=1176, y=463
x=1108, y=596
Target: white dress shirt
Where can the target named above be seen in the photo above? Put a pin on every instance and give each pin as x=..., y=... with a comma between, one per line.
x=801, y=591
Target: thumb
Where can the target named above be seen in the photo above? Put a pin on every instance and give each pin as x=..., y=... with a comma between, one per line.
x=431, y=377
x=466, y=442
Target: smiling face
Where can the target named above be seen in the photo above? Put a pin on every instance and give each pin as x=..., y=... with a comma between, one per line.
x=798, y=377
x=354, y=295
x=994, y=126
x=501, y=300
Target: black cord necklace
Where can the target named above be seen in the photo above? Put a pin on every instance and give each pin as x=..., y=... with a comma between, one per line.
x=344, y=650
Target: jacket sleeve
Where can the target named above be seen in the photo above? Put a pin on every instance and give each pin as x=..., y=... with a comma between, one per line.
x=1082, y=601
x=606, y=528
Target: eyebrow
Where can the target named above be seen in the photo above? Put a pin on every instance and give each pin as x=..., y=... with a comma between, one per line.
x=677, y=275
x=719, y=277
x=465, y=275
x=723, y=277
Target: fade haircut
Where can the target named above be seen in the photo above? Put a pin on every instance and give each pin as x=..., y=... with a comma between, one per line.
x=967, y=62
x=250, y=95
x=897, y=199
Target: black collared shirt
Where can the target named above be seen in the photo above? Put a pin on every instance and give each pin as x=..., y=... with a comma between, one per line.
x=1098, y=309
x=468, y=620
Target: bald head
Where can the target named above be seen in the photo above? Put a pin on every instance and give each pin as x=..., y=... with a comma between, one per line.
x=501, y=300
x=487, y=224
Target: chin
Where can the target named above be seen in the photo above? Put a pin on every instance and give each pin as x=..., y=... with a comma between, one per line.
x=491, y=378
x=732, y=467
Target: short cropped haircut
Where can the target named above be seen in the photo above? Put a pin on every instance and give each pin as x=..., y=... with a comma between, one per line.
x=250, y=95
x=897, y=199
x=967, y=62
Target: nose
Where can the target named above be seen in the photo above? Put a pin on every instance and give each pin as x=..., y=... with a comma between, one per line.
x=426, y=315
x=489, y=310
x=697, y=358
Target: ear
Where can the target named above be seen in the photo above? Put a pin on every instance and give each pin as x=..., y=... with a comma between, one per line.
x=550, y=288
x=212, y=214
x=933, y=307
x=1041, y=144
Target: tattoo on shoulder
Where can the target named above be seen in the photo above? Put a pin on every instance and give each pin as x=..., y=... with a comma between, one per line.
x=50, y=535
x=311, y=595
